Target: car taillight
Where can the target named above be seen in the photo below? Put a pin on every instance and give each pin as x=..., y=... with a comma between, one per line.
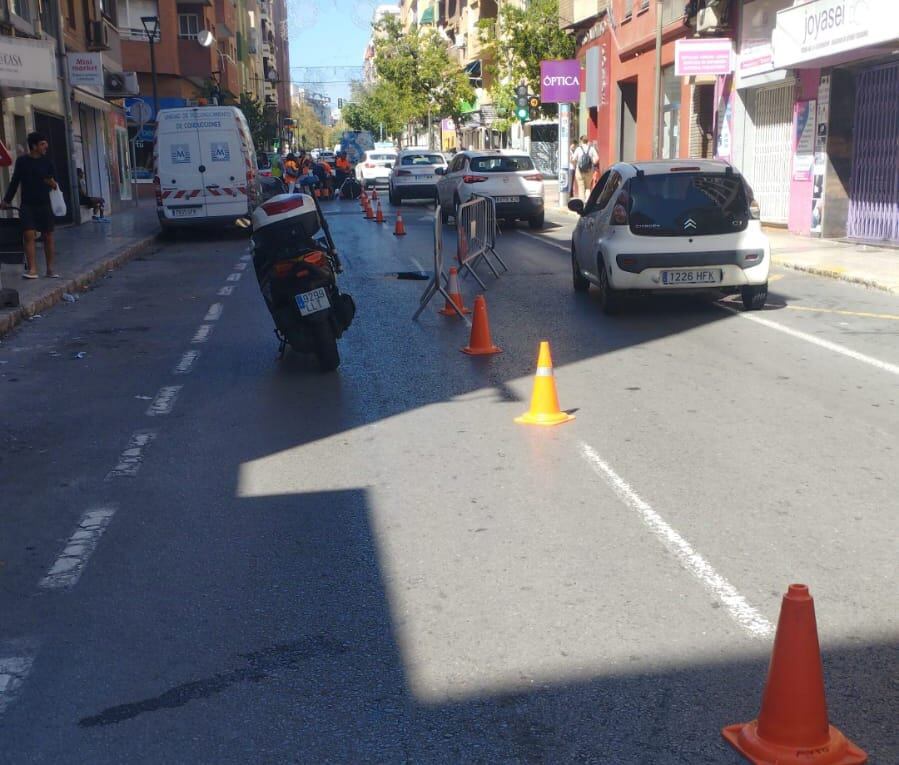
x=619, y=215
x=370, y=164
x=283, y=205
x=403, y=172
x=536, y=177
x=474, y=178
x=754, y=210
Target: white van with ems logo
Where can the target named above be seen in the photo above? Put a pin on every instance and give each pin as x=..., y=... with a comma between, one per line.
x=205, y=166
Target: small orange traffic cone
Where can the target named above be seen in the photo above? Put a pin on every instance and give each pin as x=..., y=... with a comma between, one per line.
x=380, y=216
x=480, y=343
x=455, y=296
x=369, y=215
x=374, y=195
x=363, y=200
x=792, y=727
x=544, y=399
x=400, y=228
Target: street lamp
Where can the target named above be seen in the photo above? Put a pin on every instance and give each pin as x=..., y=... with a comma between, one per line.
x=151, y=27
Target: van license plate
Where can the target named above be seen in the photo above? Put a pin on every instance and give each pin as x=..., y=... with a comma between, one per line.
x=712, y=276
x=313, y=302
x=506, y=200
x=184, y=212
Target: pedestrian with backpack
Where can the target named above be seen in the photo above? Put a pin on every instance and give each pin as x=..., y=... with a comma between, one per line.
x=585, y=159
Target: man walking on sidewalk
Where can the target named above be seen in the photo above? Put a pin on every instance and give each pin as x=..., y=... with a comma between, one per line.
x=36, y=174
x=585, y=159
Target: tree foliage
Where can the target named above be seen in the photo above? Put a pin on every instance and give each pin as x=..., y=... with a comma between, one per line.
x=260, y=128
x=373, y=107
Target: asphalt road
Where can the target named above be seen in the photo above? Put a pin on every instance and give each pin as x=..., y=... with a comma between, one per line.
x=208, y=555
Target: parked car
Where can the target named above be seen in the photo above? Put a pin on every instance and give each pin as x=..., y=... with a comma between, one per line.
x=414, y=175
x=204, y=166
x=509, y=177
x=375, y=168
x=667, y=227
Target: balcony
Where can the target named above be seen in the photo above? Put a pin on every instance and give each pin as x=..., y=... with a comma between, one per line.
x=579, y=13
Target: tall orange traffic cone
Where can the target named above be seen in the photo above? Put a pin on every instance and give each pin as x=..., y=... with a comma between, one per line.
x=369, y=215
x=455, y=296
x=544, y=399
x=480, y=343
x=363, y=198
x=792, y=728
x=400, y=228
x=380, y=216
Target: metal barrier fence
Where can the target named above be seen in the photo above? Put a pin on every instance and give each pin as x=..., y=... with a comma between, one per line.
x=476, y=229
x=438, y=281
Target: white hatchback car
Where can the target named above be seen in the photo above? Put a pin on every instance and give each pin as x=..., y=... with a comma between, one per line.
x=376, y=167
x=508, y=176
x=415, y=175
x=670, y=226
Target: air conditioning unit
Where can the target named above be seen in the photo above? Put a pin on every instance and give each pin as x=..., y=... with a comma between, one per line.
x=120, y=84
x=97, y=36
x=708, y=19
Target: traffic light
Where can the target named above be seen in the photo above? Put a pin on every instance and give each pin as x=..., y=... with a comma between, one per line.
x=340, y=103
x=534, y=104
x=521, y=103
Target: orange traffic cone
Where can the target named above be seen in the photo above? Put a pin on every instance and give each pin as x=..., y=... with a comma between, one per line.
x=400, y=228
x=374, y=195
x=380, y=216
x=792, y=728
x=369, y=215
x=480, y=342
x=455, y=296
x=544, y=399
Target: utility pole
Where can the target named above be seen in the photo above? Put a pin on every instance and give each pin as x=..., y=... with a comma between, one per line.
x=657, y=103
x=151, y=27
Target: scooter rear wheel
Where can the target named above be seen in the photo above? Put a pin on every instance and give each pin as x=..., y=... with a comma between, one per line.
x=326, y=347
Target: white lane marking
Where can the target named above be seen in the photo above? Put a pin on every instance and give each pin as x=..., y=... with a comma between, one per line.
x=246, y=258
x=187, y=361
x=740, y=610
x=417, y=264
x=240, y=266
x=130, y=460
x=215, y=312
x=226, y=290
x=234, y=277
x=546, y=242
x=202, y=334
x=66, y=571
x=13, y=671
x=884, y=366
x=164, y=401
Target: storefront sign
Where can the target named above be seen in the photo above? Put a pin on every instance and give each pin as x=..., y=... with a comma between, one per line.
x=703, y=56
x=756, y=30
x=560, y=81
x=86, y=71
x=27, y=64
x=825, y=28
x=803, y=140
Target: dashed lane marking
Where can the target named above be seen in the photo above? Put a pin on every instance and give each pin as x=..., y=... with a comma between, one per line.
x=737, y=606
x=240, y=266
x=67, y=569
x=130, y=460
x=860, y=314
x=234, y=277
x=215, y=312
x=187, y=361
x=164, y=401
x=13, y=671
x=226, y=290
x=820, y=342
x=202, y=334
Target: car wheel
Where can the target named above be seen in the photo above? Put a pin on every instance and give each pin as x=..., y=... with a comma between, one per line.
x=609, y=297
x=580, y=282
x=536, y=221
x=393, y=198
x=444, y=214
x=754, y=296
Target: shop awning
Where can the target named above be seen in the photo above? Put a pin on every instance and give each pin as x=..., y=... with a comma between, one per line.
x=88, y=99
x=427, y=17
x=467, y=108
x=26, y=66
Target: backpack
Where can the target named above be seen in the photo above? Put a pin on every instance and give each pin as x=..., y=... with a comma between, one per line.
x=585, y=162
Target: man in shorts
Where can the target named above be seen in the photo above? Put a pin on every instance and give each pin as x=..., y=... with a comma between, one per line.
x=36, y=175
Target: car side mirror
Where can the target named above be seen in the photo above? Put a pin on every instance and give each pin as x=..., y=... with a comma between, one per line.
x=576, y=205
x=440, y=170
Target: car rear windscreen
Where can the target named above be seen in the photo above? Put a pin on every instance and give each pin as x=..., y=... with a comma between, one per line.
x=687, y=204
x=382, y=157
x=501, y=164
x=422, y=159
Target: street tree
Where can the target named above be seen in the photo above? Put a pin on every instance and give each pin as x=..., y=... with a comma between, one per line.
x=378, y=107
x=261, y=129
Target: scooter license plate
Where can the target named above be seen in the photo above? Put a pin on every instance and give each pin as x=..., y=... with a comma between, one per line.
x=313, y=302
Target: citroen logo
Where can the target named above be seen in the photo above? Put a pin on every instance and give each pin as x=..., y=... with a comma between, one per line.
x=689, y=223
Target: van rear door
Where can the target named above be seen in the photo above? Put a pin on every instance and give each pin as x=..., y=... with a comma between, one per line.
x=178, y=166
x=224, y=165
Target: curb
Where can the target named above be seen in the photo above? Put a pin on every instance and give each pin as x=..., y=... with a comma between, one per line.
x=831, y=273
x=79, y=282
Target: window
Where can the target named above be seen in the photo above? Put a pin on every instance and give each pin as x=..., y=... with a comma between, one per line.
x=70, y=13
x=501, y=164
x=608, y=190
x=22, y=9
x=422, y=159
x=188, y=26
x=108, y=9
x=628, y=8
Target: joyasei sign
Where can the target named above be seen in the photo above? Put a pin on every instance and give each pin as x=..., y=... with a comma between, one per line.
x=560, y=81
x=826, y=28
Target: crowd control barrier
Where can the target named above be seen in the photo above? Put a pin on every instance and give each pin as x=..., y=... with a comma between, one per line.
x=476, y=229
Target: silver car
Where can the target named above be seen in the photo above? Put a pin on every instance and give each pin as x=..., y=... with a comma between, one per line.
x=415, y=175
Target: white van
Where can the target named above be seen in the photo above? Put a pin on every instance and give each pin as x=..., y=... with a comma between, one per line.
x=204, y=166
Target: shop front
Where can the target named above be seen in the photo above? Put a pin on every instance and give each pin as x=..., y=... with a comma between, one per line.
x=845, y=164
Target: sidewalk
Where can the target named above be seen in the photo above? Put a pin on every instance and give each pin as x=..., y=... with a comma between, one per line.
x=865, y=264
x=83, y=254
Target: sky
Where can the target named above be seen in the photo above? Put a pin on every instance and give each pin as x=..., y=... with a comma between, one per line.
x=328, y=34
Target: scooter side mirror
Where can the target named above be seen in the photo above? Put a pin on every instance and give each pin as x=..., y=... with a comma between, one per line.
x=243, y=223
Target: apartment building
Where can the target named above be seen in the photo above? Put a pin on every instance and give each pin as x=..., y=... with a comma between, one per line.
x=369, y=75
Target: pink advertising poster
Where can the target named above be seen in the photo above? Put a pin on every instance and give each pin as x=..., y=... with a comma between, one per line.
x=803, y=140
